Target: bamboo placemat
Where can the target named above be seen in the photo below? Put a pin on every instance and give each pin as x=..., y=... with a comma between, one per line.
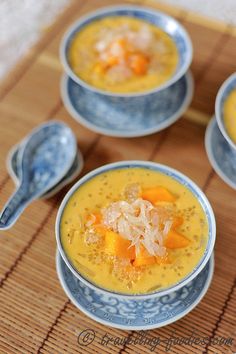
x=36, y=316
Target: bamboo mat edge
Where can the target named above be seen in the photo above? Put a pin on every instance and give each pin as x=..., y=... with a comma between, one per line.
x=193, y=115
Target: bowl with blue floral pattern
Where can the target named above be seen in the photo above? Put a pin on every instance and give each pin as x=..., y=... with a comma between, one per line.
x=149, y=166
x=164, y=22
x=149, y=110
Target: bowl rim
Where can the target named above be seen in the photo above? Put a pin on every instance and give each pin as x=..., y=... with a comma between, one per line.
x=109, y=132
x=208, y=145
x=132, y=164
x=218, y=104
x=107, y=10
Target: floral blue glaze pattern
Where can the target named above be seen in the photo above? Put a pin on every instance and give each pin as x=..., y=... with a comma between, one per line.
x=127, y=116
x=134, y=314
x=221, y=155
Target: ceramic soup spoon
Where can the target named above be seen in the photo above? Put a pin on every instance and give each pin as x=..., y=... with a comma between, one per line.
x=47, y=156
x=74, y=171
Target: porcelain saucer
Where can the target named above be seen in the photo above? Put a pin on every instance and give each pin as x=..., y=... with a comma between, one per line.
x=127, y=117
x=221, y=155
x=74, y=171
x=134, y=314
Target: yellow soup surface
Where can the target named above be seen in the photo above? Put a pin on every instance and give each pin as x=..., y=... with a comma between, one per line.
x=103, y=254
x=230, y=115
x=123, y=55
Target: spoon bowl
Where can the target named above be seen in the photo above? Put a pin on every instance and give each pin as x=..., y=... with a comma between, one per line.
x=47, y=156
x=13, y=169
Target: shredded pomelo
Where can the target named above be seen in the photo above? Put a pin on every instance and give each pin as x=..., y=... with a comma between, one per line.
x=140, y=222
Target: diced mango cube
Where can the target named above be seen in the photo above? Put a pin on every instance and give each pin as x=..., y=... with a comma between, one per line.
x=178, y=221
x=100, y=230
x=139, y=64
x=158, y=194
x=176, y=240
x=144, y=258
x=118, y=246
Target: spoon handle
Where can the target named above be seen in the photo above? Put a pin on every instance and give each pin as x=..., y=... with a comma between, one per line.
x=13, y=208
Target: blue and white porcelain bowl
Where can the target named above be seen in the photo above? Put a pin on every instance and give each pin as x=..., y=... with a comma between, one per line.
x=223, y=93
x=161, y=20
x=169, y=172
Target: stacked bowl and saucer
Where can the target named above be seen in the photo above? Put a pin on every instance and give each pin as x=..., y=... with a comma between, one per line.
x=220, y=145
x=126, y=310
x=129, y=114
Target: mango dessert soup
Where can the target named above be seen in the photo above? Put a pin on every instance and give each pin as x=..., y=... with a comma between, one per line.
x=229, y=114
x=133, y=231
x=123, y=54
